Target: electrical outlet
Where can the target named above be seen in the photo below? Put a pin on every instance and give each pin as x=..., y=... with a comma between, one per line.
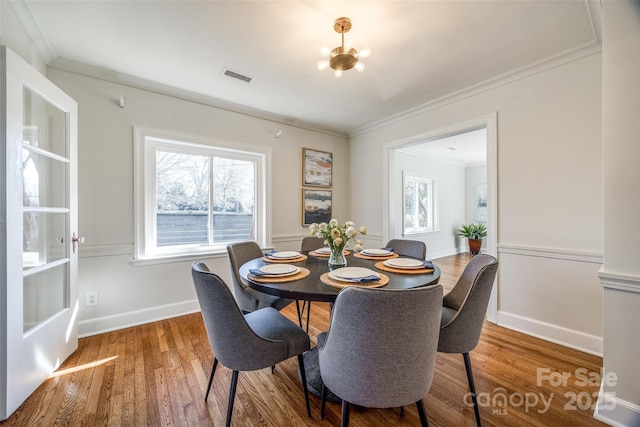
x=92, y=299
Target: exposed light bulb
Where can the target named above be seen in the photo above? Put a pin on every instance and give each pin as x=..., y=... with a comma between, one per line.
x=359, y=66
x=323, y=65
x=338, y=73
x=325, y=51
x=364, y=53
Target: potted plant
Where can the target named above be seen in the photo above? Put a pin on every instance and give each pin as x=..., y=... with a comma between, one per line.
x=474, y=233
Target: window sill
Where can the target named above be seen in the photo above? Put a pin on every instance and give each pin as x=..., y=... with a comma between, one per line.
x=166, y=259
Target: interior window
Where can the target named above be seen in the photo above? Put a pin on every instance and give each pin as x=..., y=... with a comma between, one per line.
x=419, y=204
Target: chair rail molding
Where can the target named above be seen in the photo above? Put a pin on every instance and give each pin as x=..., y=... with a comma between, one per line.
x=553, y=253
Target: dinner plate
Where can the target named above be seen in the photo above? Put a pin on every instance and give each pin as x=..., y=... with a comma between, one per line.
x=323, y=251
x=351, y=274
x=284, y=255
x=407, y=263
x=376, y=252
x=278, y=270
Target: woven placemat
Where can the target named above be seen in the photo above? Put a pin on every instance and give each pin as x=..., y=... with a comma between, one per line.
x=321, y=255
x=363, y=256
x=300, y=275
x=302, y=257
x=380, y=266
x=384, y=280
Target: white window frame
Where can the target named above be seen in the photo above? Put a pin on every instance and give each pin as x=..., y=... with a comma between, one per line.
x=433, y=210
x=146, y=143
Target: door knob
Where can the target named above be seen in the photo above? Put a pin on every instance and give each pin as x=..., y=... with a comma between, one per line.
x=75, y=239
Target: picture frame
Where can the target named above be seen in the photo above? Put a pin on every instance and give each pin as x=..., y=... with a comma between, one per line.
x=316, y=206
x=317, y=168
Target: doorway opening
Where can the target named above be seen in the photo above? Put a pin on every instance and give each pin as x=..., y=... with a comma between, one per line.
x=461, y=162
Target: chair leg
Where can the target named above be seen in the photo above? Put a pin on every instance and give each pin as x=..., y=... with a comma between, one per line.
x=324, y=401
x=303, y=377
x=402, y=411
x=472, y=387
x=345, y=413
x=213, y=371
x=308, y=313
x=300, y=312
x=232, y=395
x=424, y=421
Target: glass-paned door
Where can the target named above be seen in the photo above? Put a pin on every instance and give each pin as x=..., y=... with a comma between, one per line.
x=38, y=324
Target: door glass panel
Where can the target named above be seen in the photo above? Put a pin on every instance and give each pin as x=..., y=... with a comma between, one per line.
x=43, y=297
x=43, y=180
x=45, y=209
x=44, y=125
x=43, y=238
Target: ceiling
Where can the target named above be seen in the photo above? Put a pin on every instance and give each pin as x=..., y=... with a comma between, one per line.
x=421, y=50
x=464, y=149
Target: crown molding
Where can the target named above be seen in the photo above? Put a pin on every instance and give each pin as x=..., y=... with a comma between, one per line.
x=584, y=51
x=87, y=70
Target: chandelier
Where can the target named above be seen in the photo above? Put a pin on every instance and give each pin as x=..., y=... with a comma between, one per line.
x=343, y=58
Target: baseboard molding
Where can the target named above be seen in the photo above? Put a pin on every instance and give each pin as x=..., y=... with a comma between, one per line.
x=615, y=411
x=581, y=341
x=114, y=322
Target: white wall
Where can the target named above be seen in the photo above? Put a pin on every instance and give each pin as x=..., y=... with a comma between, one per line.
x=549, y=187
x=131, y=294
x=14, y=35
x=474, y=176
x=451, y=190
x=619, y=400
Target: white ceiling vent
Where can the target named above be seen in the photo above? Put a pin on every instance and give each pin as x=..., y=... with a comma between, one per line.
x=233, y=74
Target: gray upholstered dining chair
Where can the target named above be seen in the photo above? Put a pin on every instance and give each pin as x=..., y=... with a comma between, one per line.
x=249, y=299
x=463, y=313
x=412, y=248
x=311, y=243
x=380, y=350
x=245, y=342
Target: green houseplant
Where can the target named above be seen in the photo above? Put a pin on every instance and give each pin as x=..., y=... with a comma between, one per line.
x=474, y=233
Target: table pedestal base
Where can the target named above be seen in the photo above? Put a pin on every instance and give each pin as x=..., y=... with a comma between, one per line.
x=314, y=380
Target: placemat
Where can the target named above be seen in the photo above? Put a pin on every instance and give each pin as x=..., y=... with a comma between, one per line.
x=300, y=275
x=302, y=257
x=321, y=255
x=380, y=266
x=384, y=280
x=363, y=256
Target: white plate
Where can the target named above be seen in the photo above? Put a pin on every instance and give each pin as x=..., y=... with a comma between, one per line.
x=351, y=273
x=407, y=263
x=277, y=270
x=284, y=255
x=323, y=251
x=376, y=252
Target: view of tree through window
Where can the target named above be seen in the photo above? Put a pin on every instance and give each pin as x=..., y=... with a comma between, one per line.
x=419, y=207
x=203, y=199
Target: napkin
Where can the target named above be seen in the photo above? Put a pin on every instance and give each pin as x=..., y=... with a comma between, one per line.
x=371, y=278
x=257, y=272
x=427, y=264
x=271, y=252
x=387, y=249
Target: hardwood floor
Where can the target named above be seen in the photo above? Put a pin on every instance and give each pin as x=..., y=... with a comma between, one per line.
x=156, y=375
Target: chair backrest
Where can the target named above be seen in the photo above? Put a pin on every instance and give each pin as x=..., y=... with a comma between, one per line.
x=381, y=347
x=469, y=298
x=311, y=243
x=231, y=338
x=239, y=253
x=412, y=248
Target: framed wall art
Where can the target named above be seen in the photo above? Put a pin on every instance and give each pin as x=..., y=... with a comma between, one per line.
x=317, y=168
x=316, y=206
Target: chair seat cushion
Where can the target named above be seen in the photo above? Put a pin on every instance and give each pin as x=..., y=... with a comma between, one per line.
x=270, y=324
x=447, y=315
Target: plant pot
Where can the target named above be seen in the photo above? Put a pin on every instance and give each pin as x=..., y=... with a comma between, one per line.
x=474, y=246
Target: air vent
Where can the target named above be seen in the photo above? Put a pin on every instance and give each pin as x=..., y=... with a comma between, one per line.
x=233, y=74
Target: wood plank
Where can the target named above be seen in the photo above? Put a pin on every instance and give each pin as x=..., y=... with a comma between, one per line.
x=156, y=374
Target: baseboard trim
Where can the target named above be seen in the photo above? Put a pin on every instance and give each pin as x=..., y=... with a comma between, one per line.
x=577, y=340
x=616, y=412
x=114, y=322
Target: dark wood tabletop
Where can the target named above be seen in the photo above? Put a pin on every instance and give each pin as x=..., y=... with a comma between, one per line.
x=311, y=287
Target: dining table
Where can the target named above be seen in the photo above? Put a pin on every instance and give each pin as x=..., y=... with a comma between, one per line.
x=312, y=279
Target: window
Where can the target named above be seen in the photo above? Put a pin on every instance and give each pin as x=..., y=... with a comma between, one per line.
x=420, y=204
x=194, y=197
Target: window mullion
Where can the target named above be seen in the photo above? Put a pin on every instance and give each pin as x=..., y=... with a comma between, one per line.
x=210, y=210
